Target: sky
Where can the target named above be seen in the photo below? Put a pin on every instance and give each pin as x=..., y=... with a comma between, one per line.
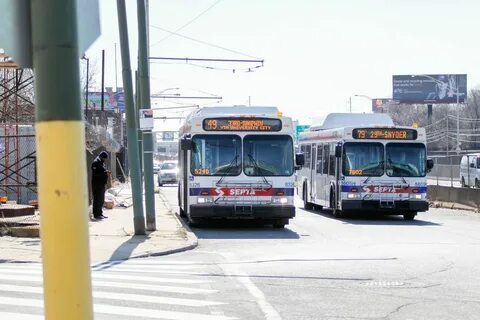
x=317, y=53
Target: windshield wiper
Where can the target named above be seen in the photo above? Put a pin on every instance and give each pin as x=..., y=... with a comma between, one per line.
x=228, y=168
x=258, y=169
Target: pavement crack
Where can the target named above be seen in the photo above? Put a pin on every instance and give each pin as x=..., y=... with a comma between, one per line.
x=399, y=308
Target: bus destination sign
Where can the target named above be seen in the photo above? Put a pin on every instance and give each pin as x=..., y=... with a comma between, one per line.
x=385, y=133
x=242, y=124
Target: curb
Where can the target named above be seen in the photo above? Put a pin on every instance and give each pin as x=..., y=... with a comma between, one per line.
x=192, y=240
x=24, y=232
x=452, y=205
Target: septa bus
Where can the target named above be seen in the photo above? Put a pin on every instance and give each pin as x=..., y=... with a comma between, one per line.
x=237, y=163
x=363, y=162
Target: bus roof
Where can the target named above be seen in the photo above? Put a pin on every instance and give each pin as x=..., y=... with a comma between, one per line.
x=339, y=120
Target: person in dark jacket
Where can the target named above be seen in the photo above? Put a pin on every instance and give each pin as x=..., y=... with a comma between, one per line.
x=99, y=181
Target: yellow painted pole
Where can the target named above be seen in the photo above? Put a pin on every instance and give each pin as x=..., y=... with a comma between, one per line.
x=62, y=170
x=64, y=220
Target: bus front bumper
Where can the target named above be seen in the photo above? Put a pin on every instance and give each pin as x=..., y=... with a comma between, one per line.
x=393, y=206
x=241, y=211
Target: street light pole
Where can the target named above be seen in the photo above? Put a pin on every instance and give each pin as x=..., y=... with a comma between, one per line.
x=458, y=116
x=86, y=85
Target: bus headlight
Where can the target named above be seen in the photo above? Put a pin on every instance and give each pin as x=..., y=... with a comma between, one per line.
x=353, y=196
x=415, y=196
x=280, y=200
x=204, y=200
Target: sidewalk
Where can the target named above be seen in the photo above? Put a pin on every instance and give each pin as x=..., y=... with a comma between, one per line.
x=113, y=238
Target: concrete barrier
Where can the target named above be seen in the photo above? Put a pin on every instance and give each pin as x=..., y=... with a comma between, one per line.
x=466, y=196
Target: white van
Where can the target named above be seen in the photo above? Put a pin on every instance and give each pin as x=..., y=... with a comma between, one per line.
x=470, y=170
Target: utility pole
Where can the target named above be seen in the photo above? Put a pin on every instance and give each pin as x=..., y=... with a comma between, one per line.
x=133, y=158
x=60, y=134
x=144, y=84
x=102, y=103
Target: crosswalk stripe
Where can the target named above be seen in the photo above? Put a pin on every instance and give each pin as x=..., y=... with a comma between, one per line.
x=151, y=262
x=20, y=316
x=116, y=269
x=106, y=275
x=123, y=311
x=122, y=296
x=108, y=284
x=103, y=266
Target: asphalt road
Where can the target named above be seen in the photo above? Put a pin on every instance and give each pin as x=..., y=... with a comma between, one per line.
x=368, y=267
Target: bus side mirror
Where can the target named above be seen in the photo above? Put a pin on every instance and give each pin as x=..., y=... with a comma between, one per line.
x=186, y=144
x=338, y=151
x=299, y=159
x=429, y=165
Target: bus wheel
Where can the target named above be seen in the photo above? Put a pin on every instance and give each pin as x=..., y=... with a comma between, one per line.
x=335, y=211
x=306, y=205
x=409, y=216
x=463, y=182
x=279, y=224
x=181, y=212
x=194, y=222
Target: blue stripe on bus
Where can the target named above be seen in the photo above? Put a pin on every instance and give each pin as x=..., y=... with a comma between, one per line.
x=198, y=191
x=349, y=188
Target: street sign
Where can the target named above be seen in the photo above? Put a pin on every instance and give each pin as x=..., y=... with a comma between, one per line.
x=301, y=128
x=146, y=119
x=16, y=28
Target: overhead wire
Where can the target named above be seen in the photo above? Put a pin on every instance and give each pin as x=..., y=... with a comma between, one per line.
x=187, y=24
x=204, y=42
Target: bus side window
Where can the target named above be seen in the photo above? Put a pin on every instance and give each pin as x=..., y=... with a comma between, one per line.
x=331, y=159
x=325, y=158
x=319, y=158
x=308, y=156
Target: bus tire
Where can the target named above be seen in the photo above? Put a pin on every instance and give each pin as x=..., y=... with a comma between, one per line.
x=336, y=212
x=181, y=212
x=409, y=216
x=194, y=222
x=306, y=205
x=279, y=224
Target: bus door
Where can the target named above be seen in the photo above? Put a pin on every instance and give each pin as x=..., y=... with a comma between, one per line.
x=318, y=173
x=313, y=178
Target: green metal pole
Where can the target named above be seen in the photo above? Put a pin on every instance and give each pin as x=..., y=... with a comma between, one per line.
x=137, y=121
x=134, y=164
x=62, y=169
x=144, y=83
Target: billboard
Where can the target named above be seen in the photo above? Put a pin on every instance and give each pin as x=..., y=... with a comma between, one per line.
x=430, y=88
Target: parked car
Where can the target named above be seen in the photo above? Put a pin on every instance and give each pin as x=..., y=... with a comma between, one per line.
x=470, y=170
x=156, y=166
x=168, y=172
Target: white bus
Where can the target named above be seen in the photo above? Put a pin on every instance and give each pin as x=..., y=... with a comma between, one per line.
x=362, y=162
x=237, y=163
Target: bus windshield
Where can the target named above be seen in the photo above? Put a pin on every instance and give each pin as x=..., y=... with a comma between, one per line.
x=363, y=159
x=216, y=155
x=406, y=160
x=268, y=155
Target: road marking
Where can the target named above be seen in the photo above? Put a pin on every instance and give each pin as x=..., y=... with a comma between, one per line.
x=122, y=285
x=122, y=296
x=268, y=310
x=122, y=311
x=113, y=269
x=20, y=316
